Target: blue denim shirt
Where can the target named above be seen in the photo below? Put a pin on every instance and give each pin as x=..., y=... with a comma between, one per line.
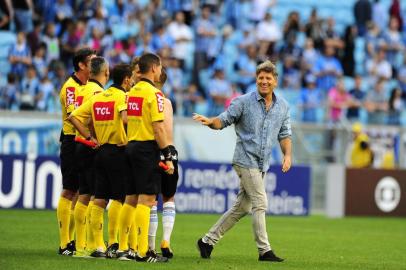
x=257, y=129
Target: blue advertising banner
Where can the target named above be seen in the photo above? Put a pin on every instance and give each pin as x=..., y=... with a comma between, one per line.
x=213, y=188
x=36, y=182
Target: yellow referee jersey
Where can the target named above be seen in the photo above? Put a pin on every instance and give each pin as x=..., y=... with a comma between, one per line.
x=105, y=109
x=145, y=105
x=92, y=88
x=67, y=97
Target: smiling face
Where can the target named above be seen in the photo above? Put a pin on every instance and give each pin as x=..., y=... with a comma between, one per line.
x=266, y=83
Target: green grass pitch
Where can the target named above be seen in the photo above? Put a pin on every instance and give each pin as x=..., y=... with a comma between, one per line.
x=29, y=240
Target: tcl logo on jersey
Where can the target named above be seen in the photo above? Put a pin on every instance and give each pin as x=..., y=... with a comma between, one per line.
x=79, y=101
x=103, y=111
x=70, y=96
x=160, y=101
x=134, y=106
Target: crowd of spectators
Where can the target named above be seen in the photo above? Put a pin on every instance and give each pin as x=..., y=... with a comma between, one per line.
x=210, y=49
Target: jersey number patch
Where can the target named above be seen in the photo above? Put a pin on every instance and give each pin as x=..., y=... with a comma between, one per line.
x=103, y=111
x=160, y=101
x=70, y=96
x=134, y=107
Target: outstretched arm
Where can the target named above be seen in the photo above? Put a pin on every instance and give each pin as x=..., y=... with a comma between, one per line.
x=213, y=123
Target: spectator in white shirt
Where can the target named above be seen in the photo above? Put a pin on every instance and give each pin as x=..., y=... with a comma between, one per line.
x=268, y=33
x=379, y=67
x=182, y=34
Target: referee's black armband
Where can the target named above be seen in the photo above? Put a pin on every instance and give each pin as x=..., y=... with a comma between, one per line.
x=167, y=153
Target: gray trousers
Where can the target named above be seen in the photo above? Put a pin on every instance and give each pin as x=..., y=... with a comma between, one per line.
x=251, y=196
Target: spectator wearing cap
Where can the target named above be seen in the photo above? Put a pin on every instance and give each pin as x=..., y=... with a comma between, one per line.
x=310, y=99
x=360, y=154
x=20, y=56
x=358, y=96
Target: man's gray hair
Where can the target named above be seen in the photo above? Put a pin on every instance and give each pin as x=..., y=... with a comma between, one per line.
x=98, y=64
x=268, y=67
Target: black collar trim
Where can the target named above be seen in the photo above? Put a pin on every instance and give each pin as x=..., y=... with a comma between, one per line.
x=96, y=82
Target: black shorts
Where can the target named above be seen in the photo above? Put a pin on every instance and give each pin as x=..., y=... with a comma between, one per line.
x=69, y=171
x=145, y=174
x=170, y=181
x=84, y=157
x=111, y=170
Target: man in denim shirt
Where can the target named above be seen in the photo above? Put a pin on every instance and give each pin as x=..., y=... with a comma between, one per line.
x=260, y=119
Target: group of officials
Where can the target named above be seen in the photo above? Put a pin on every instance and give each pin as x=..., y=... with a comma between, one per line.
x=117, y=149
x=129, y=127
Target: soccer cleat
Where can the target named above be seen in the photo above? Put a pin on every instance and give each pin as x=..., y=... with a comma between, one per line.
x=127, y=255
x=81, y=254
x=151, y=257
x=98, y=253
x=72, y=245
x=204, y=248
x=66, y=251
x=166, y=250
x=111, y=251
x=269, y=256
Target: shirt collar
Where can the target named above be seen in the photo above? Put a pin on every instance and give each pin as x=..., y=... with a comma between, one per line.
x=259, y=97
x=118, y=87
x=96, y=82
x=76, y=79
x=148, y=81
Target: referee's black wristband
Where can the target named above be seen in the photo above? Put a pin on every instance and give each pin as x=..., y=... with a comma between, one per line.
x=167, y=153
x=89, y=138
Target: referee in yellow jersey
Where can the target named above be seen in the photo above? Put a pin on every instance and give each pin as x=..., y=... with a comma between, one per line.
x=70, y=180
x=84, y=155
x=108, y=111
x=147, y=138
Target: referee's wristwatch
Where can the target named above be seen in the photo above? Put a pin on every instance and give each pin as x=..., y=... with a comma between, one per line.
x=89, y=138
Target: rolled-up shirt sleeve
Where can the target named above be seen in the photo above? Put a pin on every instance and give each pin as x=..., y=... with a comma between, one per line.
x=286, y=130
x=232, y=114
